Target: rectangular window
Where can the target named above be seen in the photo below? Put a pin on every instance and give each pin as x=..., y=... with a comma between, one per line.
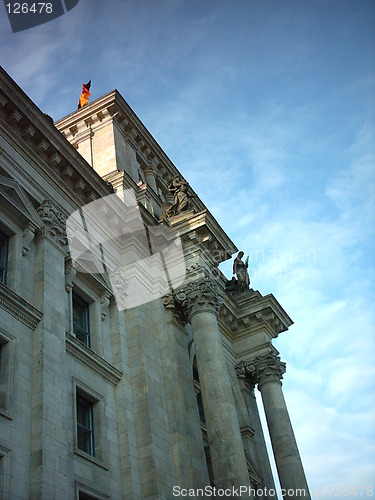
x=81, y=323
x=85, y=425
x=85, y=492
x=89, y=425
x=6, y=373
x=4, y=472
x=3, y=257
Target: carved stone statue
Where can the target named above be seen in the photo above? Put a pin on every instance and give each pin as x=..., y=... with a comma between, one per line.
x=232, y=285
x=240, y=270
x=179, y=188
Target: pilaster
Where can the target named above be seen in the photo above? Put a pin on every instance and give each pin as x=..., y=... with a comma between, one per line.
x=49, y=391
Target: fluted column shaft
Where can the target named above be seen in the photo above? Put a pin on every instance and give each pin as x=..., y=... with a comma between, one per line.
x=267, y=371
x=150, y=178
x=202, y=303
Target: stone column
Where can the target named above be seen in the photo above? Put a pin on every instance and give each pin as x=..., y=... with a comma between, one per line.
x=150, y=178
x=267, y=372
x=201, y=302
x=247, y=390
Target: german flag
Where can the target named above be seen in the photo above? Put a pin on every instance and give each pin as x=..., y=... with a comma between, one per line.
x=84, y=97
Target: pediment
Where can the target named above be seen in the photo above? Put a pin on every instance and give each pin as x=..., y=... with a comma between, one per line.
x=17, y=204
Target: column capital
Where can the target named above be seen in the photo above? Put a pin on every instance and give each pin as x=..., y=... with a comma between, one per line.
x=54, y=223
x=262, y=369
x=199, y=296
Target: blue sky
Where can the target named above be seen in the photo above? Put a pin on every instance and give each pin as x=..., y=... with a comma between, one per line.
x=267, y=108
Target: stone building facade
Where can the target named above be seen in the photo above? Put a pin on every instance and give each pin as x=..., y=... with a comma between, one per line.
x=107, y=402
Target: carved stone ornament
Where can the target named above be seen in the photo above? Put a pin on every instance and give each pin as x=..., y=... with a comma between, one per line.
x=168, y=301
x=28, y=236
x=200, y=295
x=54, y=222
x=245, y=383
x=105, y=300
x=174, y=309
x=262, y=369
x=119, y=286
x=70, y=274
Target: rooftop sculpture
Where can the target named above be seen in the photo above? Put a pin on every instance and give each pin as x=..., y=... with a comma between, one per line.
x=178, y=187
x=242, y=282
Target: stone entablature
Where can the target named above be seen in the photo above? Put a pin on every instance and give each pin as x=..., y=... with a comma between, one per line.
x=202, y=235
x=250, y=322
x=45, y=147
x=251, y=309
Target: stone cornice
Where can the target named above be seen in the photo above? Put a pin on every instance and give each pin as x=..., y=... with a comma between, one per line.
x=262, y=369
x=198, y=296
x=245, y=312
x=89, y=358
x=19, y=307
x=32, y=130
x=203, y=230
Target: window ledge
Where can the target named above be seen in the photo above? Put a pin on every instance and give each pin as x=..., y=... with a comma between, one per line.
x=89, y=358
x=19, y=307
x=5, y=413
x=92, y=459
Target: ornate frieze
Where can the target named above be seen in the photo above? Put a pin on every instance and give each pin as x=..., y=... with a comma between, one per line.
x=200, y=295
x=54, y=222
x=262, y=369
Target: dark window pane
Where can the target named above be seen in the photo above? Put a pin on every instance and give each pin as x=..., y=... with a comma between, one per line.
x=3, y=257
x=198, y=395
x=81, y=325
x=85, y=426
x=85, y=496
x=200, y=407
